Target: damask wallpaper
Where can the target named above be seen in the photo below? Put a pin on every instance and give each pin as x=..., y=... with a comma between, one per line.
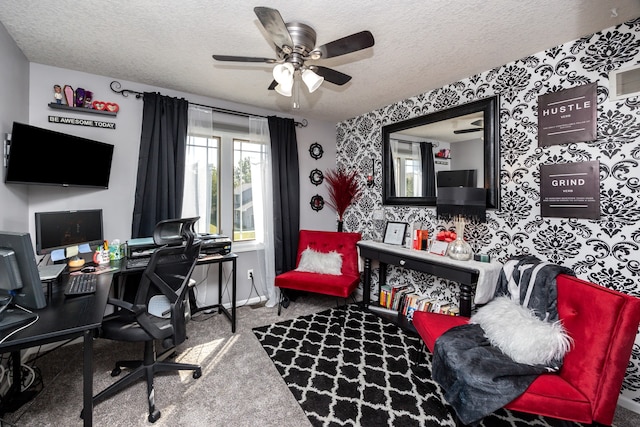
x=604, y=251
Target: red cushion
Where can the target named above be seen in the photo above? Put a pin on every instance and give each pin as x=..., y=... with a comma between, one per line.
x=551, y=396
x=327, y=284
x=431, y=325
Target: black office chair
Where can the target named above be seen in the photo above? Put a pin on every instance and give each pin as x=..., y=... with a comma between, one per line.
x=166, y=278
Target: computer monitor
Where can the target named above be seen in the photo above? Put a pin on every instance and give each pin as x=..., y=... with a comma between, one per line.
x=30, y=295
x=58, y=230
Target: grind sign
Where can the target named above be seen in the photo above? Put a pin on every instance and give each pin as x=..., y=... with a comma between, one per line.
x=567, y=116
x=570, y=190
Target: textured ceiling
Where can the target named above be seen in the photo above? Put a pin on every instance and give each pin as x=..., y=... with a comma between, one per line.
x=419, y=45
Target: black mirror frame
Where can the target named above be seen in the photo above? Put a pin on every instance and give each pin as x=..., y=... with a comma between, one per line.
x=491, y=109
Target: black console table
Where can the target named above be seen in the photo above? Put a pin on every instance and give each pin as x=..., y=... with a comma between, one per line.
x=466, y=273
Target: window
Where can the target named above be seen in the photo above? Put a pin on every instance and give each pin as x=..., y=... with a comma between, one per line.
x=223, y=182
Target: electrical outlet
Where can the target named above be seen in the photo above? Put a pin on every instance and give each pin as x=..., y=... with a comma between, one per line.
x=250, y=274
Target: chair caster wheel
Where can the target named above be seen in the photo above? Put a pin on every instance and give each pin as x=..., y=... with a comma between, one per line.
x=197, y=374
x=154, y=416
x=116, y=371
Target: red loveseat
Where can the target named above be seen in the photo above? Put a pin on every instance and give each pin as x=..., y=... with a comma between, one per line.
x=341, y=285
x=603, y=324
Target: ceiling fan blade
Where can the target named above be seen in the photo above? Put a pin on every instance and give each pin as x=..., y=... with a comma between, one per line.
x=274, y=25
x=459, y=131
x=348, y=44
x=242, y=59
x=273, y=85
x=332, y=76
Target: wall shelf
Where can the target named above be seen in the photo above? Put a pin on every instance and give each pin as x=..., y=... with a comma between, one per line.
x=81, y=109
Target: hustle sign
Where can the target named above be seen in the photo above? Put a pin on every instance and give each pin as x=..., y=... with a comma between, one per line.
x=570, y=190
x=567, y=116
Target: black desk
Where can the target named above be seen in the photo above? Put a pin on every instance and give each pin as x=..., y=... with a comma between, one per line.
x=216, y=259
x=123, y=270
x=65, y=318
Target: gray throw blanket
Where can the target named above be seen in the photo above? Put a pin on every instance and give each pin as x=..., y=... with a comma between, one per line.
x=478, y=378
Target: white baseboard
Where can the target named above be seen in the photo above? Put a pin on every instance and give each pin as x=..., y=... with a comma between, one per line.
x=629, y=404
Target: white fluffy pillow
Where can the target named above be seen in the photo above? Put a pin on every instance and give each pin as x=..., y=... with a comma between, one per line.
x=517, y=331
x=320, y=262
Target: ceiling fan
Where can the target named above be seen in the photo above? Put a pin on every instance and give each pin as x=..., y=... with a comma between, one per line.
x=295, y=44
x=479, y=126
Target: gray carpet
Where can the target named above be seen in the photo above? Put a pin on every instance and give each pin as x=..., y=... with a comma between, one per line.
x=240, y=386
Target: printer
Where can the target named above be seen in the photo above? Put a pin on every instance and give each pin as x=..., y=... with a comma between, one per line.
x=214, y=244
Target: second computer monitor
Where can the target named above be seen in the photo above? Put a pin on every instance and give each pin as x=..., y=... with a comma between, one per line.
x=58, y=230
x=31, y=294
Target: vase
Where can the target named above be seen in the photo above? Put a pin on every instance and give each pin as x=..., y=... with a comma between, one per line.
x=459, y=249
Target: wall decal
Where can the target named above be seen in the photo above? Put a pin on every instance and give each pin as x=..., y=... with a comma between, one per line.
x=316, y=151
x=317, y=202
x=570, y=190
x=567, y=116
x=316, y=177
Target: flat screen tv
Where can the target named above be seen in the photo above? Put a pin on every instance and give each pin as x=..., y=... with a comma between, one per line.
x=42, y=156
x=57, y=230
x=457, y=178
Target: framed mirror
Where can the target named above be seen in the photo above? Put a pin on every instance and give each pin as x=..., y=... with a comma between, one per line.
x=459, y=146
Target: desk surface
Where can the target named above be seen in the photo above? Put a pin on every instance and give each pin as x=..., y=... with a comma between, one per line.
x=63, y=317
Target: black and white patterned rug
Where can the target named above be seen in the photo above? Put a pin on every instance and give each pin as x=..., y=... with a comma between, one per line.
x=354, y=368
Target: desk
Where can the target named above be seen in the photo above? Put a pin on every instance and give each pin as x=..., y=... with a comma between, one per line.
x=466, y=273
x=217, y=259
x=231, y=257
x=66, y=318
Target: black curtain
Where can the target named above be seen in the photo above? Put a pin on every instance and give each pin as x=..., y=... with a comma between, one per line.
x=428, y=170
x=286, y=192
x=160, y=182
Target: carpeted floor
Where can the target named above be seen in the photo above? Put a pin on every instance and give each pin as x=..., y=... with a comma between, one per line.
x=240, y=385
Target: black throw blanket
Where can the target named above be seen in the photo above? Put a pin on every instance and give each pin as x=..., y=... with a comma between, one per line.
x=477, y=377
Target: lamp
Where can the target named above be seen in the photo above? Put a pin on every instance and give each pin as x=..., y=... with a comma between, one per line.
x=312, y=80
x=283, y=74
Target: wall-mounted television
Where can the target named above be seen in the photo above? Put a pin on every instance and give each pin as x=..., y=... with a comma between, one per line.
x=457, y=178
x=43, y=156
x=57, y=230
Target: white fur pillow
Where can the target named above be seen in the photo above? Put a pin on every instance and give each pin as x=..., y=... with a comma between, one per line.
x=320, y=262
x=521, y=335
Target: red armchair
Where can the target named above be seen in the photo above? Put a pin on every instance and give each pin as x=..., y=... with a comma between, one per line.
x=603, y=324
x=341, y=285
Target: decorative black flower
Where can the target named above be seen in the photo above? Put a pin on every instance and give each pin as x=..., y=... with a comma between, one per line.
x=511, y=82
x=316, y=177
x=316, y=151
x=557, y=244
x=317, y=202
x=611, y=50
x=514, y=145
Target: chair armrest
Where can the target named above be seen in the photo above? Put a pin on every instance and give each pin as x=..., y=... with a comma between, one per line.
x=121, y=304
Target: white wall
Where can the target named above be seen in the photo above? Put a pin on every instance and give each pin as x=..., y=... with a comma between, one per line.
x=14, y=69
x=27, y=91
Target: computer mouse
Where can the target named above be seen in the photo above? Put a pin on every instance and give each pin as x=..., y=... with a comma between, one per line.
x=88, y=269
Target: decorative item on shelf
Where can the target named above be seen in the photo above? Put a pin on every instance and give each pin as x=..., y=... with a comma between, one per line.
x=69, y=95
x=316, y=151
x=316, y=177
x=343, y=191
x=57, y=94
x=79, y=98
x=317, y=203
x=443, y=153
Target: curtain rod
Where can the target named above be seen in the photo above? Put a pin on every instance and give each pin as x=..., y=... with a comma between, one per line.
x=116, y=87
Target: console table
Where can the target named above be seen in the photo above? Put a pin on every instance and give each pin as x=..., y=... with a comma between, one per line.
x=469, y=274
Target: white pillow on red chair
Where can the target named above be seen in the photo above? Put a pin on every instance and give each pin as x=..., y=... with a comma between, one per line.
x=320, y=262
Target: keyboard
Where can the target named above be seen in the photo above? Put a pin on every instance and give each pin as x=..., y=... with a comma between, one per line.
x=81, y=284
x=137, y=262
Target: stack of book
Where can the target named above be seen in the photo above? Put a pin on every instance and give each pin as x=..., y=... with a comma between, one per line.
x=405, y=300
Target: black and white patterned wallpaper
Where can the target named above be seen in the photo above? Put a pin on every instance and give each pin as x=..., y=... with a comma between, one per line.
x=604, y=251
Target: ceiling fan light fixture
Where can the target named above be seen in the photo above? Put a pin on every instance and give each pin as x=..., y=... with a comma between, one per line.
x=283, y=74
x=312, y=80
x=285, y=89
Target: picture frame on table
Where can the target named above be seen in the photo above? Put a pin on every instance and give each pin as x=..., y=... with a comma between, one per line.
x=395, y=232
